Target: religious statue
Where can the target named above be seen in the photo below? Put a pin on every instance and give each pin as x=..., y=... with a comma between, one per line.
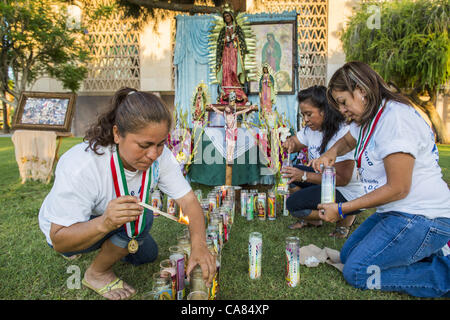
x=267, y=92
x=233, y=45
x=200, y=100
x=231, y=130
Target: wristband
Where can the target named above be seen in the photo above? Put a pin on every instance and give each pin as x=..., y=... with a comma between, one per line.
x=343, y=216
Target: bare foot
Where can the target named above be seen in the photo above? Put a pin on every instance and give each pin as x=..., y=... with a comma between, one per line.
x=302, y=224
x=100, y=280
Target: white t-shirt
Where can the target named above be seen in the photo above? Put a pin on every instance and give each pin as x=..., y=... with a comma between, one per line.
x=84, y=185
x=313, y=140
x=402, y=129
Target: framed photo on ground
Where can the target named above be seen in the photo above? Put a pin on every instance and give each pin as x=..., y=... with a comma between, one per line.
x=44, y=111
x=276, y=44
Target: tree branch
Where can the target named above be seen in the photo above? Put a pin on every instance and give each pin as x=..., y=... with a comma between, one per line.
x=150, y=4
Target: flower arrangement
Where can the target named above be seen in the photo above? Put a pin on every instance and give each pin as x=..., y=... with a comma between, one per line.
x=270, y=145
x=181, y=140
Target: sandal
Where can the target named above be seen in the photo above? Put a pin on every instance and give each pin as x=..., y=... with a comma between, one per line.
x=302, y=224
x=340, y=232
x=71, y=258
x=113, y=285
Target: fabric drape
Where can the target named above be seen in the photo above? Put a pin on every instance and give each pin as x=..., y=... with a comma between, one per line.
x=35, y=153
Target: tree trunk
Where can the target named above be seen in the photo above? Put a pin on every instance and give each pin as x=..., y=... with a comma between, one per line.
x=429, y=107
x=5, y=118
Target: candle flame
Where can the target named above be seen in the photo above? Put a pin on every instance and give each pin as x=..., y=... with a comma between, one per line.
x=183, y=219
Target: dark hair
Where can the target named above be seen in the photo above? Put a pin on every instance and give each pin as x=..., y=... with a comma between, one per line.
x=130, y=110
x=332, y=119
x=356, y=74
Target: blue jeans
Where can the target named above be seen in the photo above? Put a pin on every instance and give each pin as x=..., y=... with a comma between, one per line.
x=397, y=251
x=148, y=249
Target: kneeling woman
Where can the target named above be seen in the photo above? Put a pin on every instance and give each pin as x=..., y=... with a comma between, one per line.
x=399, y=247
x=324, y=126
x=98, y=183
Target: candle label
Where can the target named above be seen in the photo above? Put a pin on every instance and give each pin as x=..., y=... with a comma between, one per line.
x=179, y=262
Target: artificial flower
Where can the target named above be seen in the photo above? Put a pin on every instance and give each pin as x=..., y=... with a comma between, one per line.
x=181, y=157
x=284, y=133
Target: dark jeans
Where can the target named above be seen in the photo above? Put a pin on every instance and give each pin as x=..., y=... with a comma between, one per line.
x=302, y=202
x=148, y=249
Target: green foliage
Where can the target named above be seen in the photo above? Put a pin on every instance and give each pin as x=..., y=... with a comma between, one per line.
x=36, y=41
x=411, y=48
x=144, y=11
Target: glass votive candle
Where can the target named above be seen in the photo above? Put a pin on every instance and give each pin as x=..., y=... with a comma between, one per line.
x=197, y=283
x=197, y=295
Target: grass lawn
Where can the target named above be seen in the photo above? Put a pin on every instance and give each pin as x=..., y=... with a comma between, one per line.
x=29, y=269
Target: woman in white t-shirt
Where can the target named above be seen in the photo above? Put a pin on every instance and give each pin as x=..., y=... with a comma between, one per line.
x=93, y=203
x=324, y=126
x=398, y=248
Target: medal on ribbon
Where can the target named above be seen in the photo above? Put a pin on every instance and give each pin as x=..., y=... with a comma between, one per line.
x=365, y=133
x=132, y=228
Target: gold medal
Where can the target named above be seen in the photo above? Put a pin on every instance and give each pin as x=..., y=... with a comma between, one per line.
x=133, y=246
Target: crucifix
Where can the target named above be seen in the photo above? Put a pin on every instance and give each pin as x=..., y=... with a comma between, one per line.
x=230, y=112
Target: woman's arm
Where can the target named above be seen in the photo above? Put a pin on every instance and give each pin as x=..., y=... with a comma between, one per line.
x=82, y=235
x=344, y=172
x=344, y=145
x=399, y=168
x=199, y=251
x=292, y=144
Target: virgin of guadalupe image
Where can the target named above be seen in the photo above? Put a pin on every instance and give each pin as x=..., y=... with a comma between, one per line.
x=200, y=100
x=232, y=48
x=271, y=52
x=267, y=91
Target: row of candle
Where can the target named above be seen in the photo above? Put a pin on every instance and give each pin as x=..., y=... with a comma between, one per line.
x=171, y=281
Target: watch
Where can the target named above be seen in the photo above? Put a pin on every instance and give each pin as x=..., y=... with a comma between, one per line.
x=304, y=177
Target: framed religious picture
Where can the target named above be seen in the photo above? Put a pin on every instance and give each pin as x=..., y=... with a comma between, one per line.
x=276, y=45
x=44, y=111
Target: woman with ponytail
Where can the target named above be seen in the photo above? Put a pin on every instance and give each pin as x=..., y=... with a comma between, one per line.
x=400, y=246
x=94, y=202
x=324, y=126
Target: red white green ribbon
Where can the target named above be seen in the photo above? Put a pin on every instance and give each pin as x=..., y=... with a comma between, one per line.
x=133, y=228
x=365, y=133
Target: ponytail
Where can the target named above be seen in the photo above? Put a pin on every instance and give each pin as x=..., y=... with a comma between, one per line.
x=130, y=110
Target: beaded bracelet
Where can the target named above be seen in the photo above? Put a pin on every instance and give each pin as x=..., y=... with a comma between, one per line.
x=343, y=216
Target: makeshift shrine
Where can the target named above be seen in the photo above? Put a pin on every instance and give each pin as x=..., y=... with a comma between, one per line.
x=224, y=134
x=219, y=55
